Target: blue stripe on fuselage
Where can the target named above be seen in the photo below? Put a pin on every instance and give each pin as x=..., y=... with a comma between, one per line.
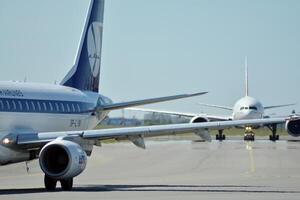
x=44, y=106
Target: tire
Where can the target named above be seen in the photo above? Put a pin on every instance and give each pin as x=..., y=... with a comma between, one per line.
x=217, y=137
x=223, y=137
x=67, y=184
x=277, y=137
x=50, y=183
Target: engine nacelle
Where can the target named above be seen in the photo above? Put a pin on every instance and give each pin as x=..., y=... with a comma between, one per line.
x=203, y=133
x=198, y=119
x=292, y=127
x=62, y=159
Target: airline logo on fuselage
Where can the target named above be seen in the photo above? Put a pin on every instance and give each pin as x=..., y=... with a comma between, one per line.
x=11, y=93
x=94, y=36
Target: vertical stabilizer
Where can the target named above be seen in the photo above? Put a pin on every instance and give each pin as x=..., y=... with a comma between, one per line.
x=246, y=77
x=86, y=71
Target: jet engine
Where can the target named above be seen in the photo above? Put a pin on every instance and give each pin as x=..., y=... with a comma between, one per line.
x=198, y=119
x=293, y=127
x=62, y=159
x=203, y=133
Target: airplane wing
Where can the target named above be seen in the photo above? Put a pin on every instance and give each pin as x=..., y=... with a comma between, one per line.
x=216, y=106
x=134, y=134
x=279, y=106
x=116, y=106
x=182, y=114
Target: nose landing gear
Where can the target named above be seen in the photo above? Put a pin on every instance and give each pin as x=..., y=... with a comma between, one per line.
x=249, y=134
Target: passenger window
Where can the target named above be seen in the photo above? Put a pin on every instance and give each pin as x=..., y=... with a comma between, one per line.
x=44, y=106
x=62, y=107
x=1, y=104
x=20, y=105
x=7, y=104
x=73, y=108
x=68, y=108
x=39, y=105
x=50, y=105
x=27, y=105
x=32, y=105
x=14, y=105
x=56, y=106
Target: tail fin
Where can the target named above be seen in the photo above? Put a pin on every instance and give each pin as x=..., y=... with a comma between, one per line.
x=85, y=73
x=246, y=77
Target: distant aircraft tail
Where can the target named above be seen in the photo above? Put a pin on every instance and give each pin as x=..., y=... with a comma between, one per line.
x=85, y=73
x=246, y=77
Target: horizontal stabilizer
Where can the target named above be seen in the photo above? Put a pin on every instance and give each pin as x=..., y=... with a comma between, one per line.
x=116, y=106
x=279, y=106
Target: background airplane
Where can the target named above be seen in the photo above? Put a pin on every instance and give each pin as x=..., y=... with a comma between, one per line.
x=245, y=108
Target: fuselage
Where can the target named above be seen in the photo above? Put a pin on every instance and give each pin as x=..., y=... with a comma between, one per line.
x=32, y=108
x=247, y=108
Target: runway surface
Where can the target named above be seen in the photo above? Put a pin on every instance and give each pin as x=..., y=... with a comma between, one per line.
x=172, y=170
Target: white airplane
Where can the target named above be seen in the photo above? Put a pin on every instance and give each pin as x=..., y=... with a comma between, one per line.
x=245, y=108
x=52, y=123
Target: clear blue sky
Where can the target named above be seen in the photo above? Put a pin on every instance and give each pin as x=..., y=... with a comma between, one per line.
x=162, y=47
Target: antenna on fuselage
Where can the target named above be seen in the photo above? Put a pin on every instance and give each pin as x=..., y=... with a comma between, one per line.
x=246, y=76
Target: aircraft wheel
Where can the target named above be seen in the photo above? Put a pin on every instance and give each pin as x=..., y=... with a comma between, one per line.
x=274, y=138
x=67, y=184
x=223, y=137
x=217, y=137
x=50, y=183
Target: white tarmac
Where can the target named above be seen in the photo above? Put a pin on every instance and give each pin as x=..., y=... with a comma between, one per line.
x=232, y=169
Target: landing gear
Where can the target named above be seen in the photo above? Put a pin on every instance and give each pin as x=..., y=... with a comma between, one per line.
x=67, y=184
x=249, y=134
x=274, y=136
x=50, y=183
x=220, y=136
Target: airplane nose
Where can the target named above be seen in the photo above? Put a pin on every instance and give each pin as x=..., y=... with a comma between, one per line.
x=250, y=114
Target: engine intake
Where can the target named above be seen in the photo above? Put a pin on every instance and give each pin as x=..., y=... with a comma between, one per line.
x=62, y=159
x=198, y=119
x=293, y=127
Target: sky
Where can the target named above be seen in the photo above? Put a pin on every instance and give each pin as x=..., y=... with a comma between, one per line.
x=162, y=47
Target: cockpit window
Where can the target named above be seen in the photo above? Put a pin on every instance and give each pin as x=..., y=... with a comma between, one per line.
x=253, y=108
x=242, y=108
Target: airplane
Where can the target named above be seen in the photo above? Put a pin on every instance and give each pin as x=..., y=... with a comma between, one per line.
x=53, y=123
x=245, y=108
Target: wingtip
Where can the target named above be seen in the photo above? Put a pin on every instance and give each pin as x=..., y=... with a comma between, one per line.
x=198, y=93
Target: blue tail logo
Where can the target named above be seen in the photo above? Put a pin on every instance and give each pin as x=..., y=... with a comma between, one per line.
x=86, y=71
x=94, y=47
